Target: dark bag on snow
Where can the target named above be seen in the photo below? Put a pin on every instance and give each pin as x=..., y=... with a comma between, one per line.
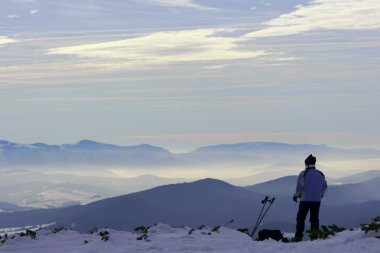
x=269, y=233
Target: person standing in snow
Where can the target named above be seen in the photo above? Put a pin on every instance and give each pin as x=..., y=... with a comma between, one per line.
x=311, y=187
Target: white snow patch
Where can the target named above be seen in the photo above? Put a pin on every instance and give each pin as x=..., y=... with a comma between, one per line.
x=17, y=230
x=163, y=238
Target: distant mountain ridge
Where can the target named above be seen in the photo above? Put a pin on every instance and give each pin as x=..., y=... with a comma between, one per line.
x=10, y=208
x=264, y=149
x=280, y=186
x=360, y=192
x=85, y=144
x=87, y=152
x=360, y=177
x=83, y=152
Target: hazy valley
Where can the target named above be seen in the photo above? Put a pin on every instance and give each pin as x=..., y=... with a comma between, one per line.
x=30, y=179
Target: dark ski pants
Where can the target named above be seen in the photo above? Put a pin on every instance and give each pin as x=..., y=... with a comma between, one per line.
x=303, y=209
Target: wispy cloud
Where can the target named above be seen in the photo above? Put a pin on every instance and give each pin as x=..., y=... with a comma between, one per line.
x=13, y=16
x=33, y=11
x=5, y=40
x=180, y=3
x=216, y=44
x=324, y=15
x=23, y=1
x=163, y=48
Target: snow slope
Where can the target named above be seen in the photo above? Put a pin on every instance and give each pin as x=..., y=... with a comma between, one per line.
x=162, y=238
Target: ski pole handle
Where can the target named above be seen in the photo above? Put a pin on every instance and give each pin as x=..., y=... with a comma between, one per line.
x=265, y=200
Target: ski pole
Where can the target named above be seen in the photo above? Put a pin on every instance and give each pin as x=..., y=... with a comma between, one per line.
x=270, y=204
x=261, y=217
x=229, y=222
x=264, y=202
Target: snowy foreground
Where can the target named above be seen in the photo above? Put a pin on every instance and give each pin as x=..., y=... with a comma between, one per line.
x=162, y=238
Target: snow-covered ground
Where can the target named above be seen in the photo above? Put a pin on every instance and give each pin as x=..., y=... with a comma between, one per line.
x=17, y=230
x=162, y=238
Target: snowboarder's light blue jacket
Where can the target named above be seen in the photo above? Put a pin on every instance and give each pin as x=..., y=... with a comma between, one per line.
x=311, y=184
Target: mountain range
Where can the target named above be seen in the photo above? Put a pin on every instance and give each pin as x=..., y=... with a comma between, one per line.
x=45, y=176
x=208, y=201
x=82, y=153
x=97, y=154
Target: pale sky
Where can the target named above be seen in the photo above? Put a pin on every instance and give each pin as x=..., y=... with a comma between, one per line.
x=183, y=74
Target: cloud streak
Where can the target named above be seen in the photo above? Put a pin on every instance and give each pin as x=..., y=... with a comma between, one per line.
x=216, y=44
x=180, y=3
x=23, y=1
x=33, y=11
x=324, y=15
x=5, y=40
x=163, y=48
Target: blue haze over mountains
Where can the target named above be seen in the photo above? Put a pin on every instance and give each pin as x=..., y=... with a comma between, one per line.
x=47, y=176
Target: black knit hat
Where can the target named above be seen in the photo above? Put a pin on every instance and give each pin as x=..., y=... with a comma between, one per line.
x=310, y=160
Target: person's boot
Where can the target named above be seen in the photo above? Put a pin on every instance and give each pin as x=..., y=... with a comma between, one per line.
x=297, y=239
